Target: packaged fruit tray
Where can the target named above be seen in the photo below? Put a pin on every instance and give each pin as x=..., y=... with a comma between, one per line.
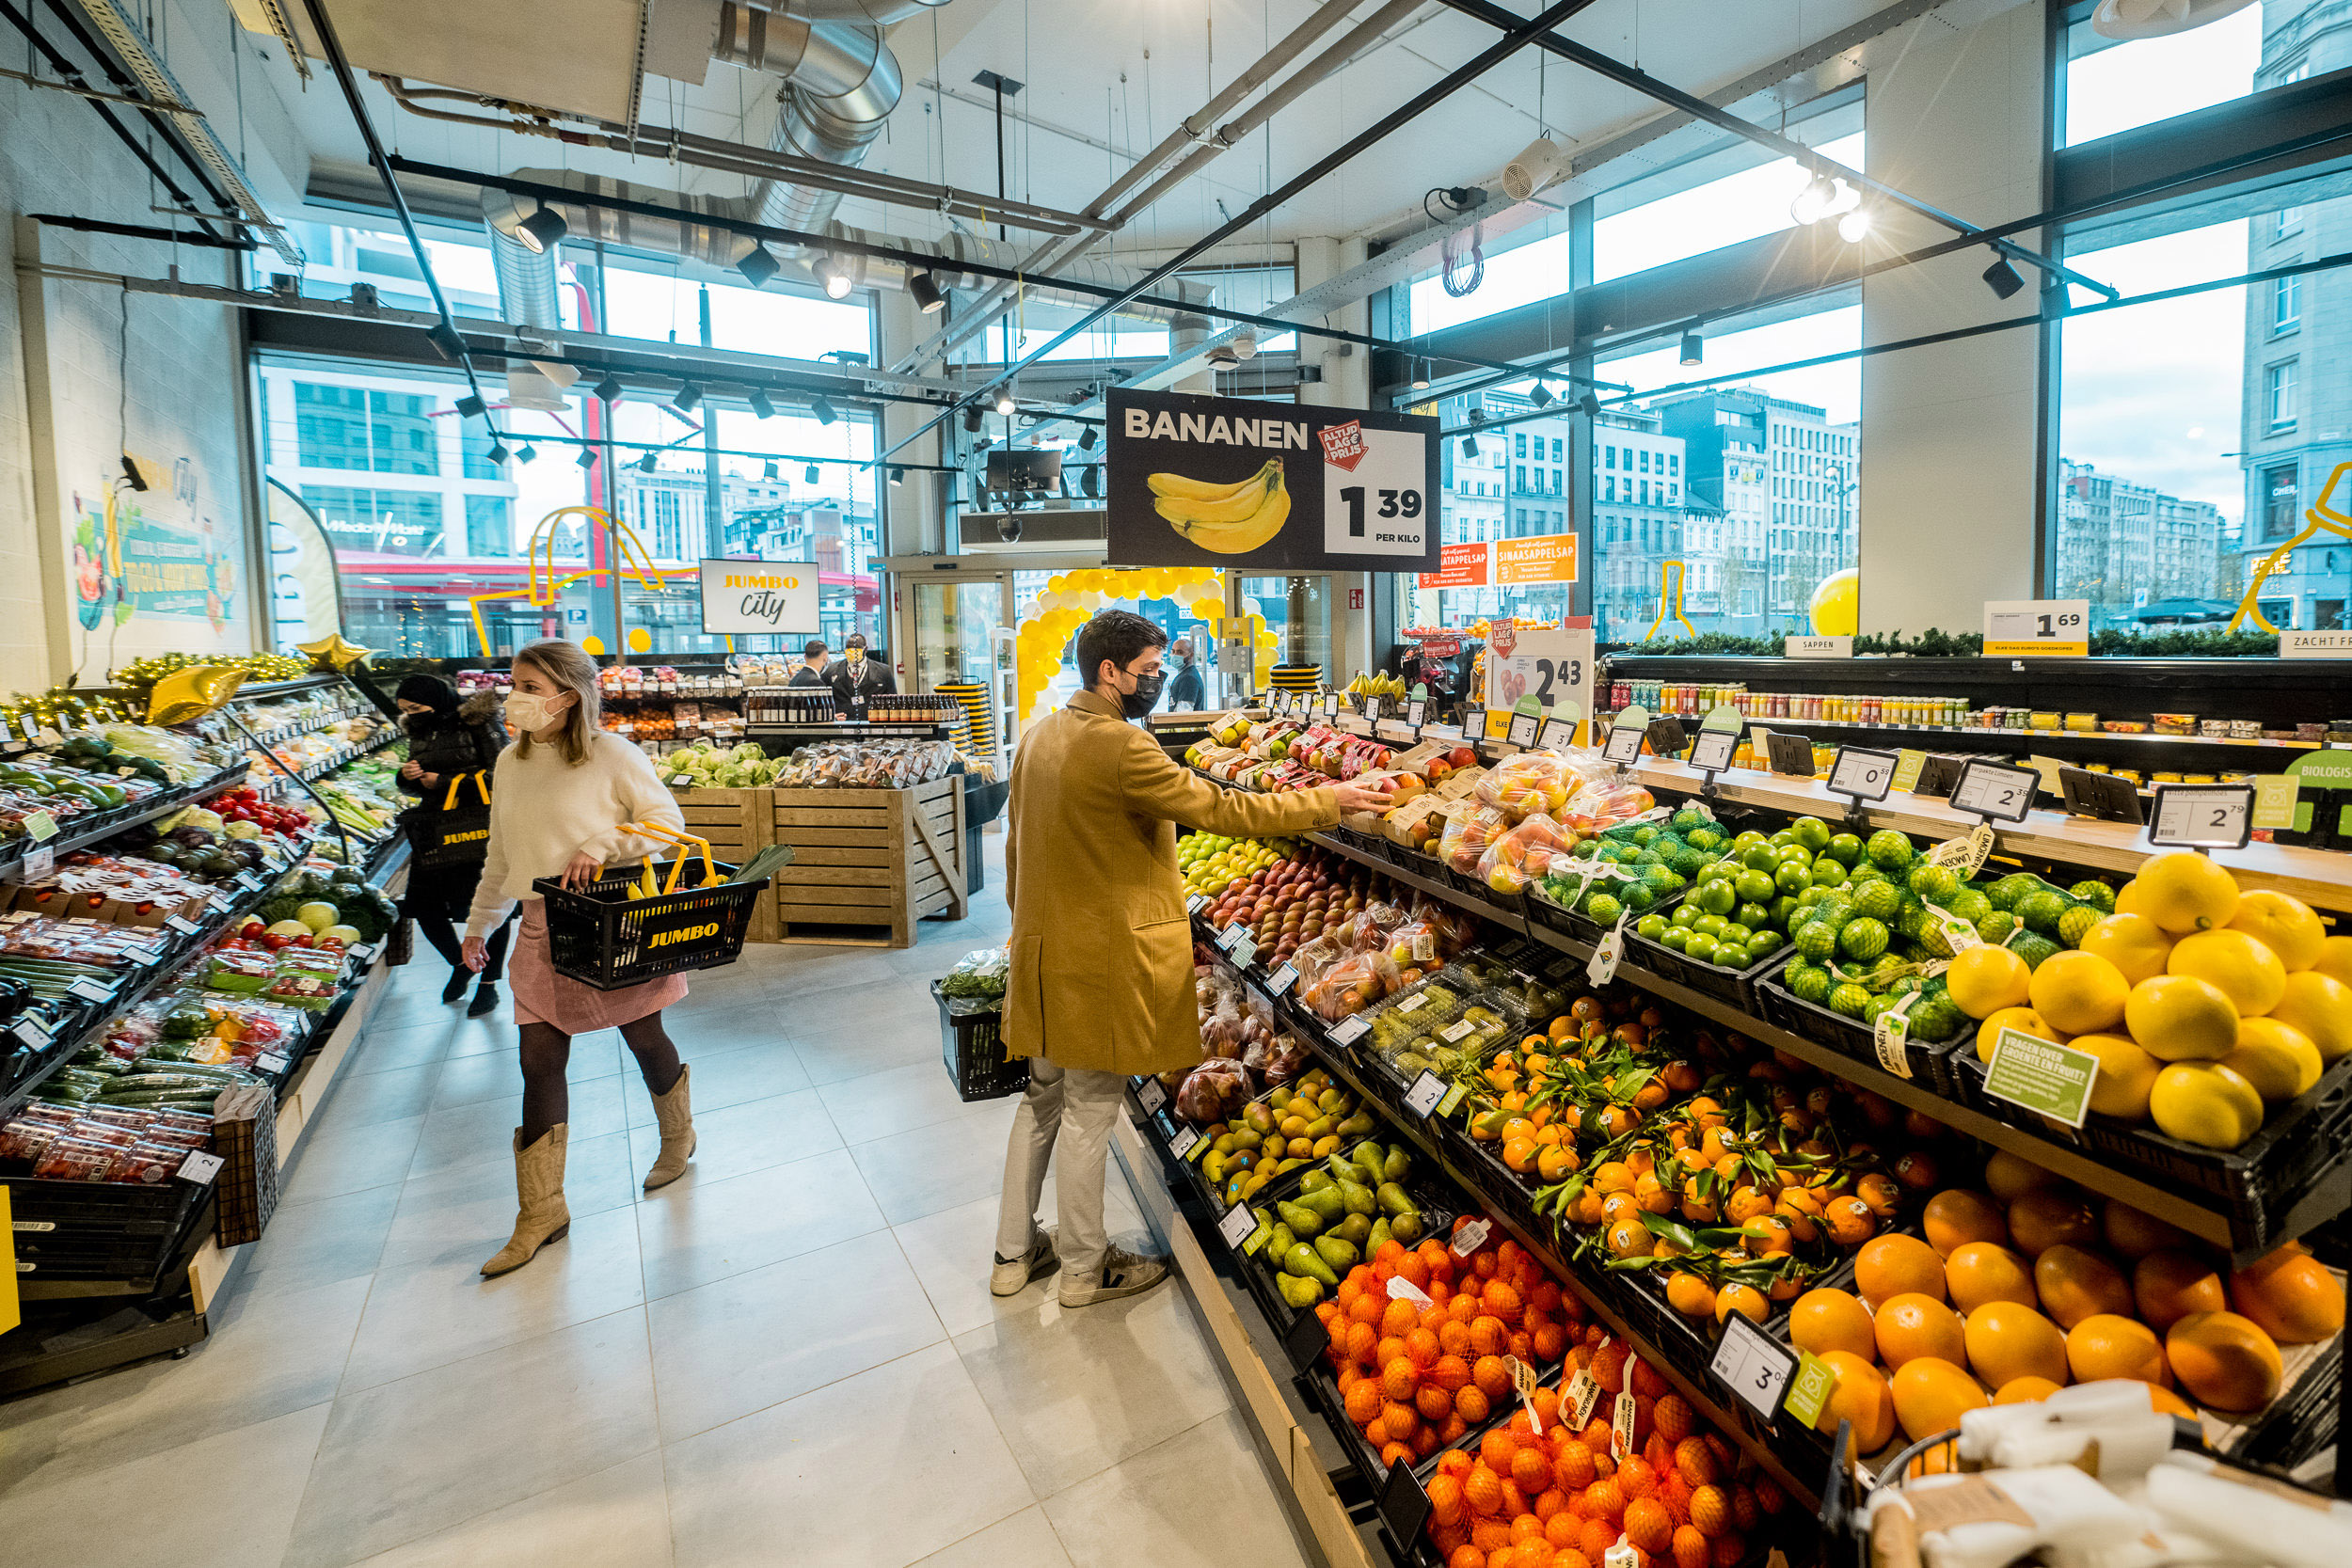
x=1931, y=1064
x=2303, y=1148
x=1423, y=1027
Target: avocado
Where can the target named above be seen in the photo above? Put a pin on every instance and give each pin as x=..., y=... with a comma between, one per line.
x=1302, y=1260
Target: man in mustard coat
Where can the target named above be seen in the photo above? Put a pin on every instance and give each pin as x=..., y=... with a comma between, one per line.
x=1101, y=955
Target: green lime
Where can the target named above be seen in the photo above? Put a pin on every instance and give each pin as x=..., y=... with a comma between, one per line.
x=1754, y=885
x=1650, y=927
x=1817, y=894
x=1708, y=926
x=1792, y=877
x=1690, y=817
x=2075, y=922
x=2010, y=888
x=1880, y=900
x=1586, y=848
x=1645, y=834
x=1675, y=938
x=1702, y=947
x=1715, y=897
x=1808, y=982
x=1970, y=905
x=1889, y=849
x=1685, y=913
x=1755, y=916
x=1866, y=872
x=1848, y=999
x=1862, y=938
x=2041, y=912
x=1845, y=849
x=1812, y=833
x=1831, y=873
x=1763, y=945
x=1936, y=1019
x=1934, y=883
x=1760, y=857
x=2032, y=947
x=1734, y=932
x=2097, y=894
x=1705, y=840
x=1784, y=911
x=1873, y=1007
x=1604, y=908
x=1815, y=940
x=1637, y=897
x=1716, y=870
x=1747, y=838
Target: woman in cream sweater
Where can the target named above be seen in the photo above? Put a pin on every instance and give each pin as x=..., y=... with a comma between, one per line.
x=559, y=798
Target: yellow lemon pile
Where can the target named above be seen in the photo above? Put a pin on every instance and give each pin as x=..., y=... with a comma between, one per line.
x=2204, y=1006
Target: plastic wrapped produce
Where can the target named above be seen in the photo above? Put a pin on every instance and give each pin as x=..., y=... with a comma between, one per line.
x=1212, y=1092
x=1528, y=782
x=1467, y=838
x=1527, y=851
x=1604, y=804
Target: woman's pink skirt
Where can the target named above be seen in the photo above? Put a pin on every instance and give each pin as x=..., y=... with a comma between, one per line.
x=542, y=996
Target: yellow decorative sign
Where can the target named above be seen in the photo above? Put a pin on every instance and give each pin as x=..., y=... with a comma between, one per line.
x=334, y=652
x=2318, y=516
x=1670, y=575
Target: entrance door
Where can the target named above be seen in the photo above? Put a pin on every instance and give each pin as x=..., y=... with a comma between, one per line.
x=959, y=635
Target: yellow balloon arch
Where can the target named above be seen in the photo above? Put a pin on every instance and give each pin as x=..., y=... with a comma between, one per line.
x=1070, y=599
x=1836, y=608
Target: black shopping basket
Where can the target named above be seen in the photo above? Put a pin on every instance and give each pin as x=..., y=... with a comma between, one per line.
x=456, y=835
x=973, y=1044
x=625, y=929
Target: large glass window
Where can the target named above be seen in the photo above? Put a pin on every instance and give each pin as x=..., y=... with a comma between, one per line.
x=2113, y=85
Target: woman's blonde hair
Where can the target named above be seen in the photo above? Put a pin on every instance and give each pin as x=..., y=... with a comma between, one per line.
x=568, y=667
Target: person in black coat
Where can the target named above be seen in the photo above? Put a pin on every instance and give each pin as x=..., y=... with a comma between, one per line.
x=811, y=671
x=448, y=738
x=857, y=678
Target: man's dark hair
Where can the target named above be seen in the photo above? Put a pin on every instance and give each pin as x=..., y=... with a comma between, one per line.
x=1117, y=634
x=816, y=646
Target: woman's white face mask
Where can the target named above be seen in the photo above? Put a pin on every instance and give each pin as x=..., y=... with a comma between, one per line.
x=531, y=713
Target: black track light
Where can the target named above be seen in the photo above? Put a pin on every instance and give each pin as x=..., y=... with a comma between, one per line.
x=972, y=418
x=1005, y=404
x=1086, y=438
x=1694, y=348
x=688, y=395
x=444, y=338
x=1089, y=481
x=926, y=293
x=529, y=454
x=131, y=474
x=823, y=410
x=2002, y=278
x=472, y=407
x=1589, y=403
x=810, y=474
x=542, y=231
x=609, y=390
x=587, y=458
x=760, y=405
x=498, y=453
x=1541, y=396
x=898, y=476
x=1469, y=448
x=644, y=464
x=758, y=266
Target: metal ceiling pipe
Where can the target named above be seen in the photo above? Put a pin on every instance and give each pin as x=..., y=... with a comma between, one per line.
x=840, y=83
x=873, y=14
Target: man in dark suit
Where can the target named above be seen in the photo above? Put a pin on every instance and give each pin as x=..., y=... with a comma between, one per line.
x=812, y=670
x=858, y=678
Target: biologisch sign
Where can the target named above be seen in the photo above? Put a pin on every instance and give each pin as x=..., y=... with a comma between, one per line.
x=770, y=597
x=1273, y=486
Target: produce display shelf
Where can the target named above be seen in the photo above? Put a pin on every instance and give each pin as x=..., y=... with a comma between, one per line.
x=90, y=827
x=1789, y=1454
x=324, y=766
x=2328, y=1194
x=1956, y=733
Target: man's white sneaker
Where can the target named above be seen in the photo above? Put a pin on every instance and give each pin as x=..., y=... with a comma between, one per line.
x=1011, y=1278
x=1123, y=1273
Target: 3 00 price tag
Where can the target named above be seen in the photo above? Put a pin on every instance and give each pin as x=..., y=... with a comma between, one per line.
x=1756, y=1369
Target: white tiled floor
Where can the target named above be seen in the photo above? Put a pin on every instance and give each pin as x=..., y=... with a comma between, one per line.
x=789, y=1357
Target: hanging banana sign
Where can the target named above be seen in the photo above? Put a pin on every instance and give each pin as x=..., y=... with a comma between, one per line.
x=1268, y=486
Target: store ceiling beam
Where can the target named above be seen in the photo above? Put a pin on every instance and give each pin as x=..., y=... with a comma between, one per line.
x=1411, y=109
x=1675, y=97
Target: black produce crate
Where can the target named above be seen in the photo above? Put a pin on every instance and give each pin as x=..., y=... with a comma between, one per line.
x=88, y=1232
x=2303, y=1423
x=973, y=1046
x=1930, y=1065
x=1735, y=986
x=2299, y=1159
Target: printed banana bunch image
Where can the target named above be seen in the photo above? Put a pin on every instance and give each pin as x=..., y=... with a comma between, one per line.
x=1228, y=518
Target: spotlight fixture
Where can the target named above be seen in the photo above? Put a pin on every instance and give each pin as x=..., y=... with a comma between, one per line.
x=587, y=458
x=898, y=476
x=972, y=418
x=760, y=405
x=1469, y=448
x=542, y=231
x=1087, y=435
x=2002, y=278
x=926, y=292
x=1008, y=529
x=644, y=464
x=1694, y=348
x=1541, y=396
x=529, y=454
x=1005, y=404
x=1590, y=405
x=823, y=410
x=472, y=407
x=609, y=390
x=1420, y=375
x=833, y=276
x=1854, y=225
x=1089, y=479
x=758, y=266
x=810, y=474
x=688, y=395
x=131, y=474
x=498, y=453
x=444, y=338
x=1813, y=203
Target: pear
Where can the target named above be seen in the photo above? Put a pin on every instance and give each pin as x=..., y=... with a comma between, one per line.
x=1354, y=1231
x=1326, y=1202
x=1356, y=1125
x=1303, y=1261
x=1303, y=1221
x=1405, y=1228
x=1315, y=1181
x=1283, y=1238
x=1359, y=1198
x=1380, y=1232
x=1297, y=1290
x=1340, y=1256
x=1398, y=1163
x=1394, y=1201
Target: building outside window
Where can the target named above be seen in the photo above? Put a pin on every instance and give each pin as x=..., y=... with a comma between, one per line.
x=2286, y=310
x=2278, y=394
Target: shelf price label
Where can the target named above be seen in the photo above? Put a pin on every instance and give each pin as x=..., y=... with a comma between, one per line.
x=2025, y=629
x=2201, y=816
x=1195, y=904
x=33, y=1032
x=1417, y=714
x=90, y=991
x=1184, y=1141
x=1712, y=752
x=182, y=924
x=2042, y=1075
x=1524, y=729
x=1238, y=1225
x=39, y=827
x=1281, y=979
x=1151, y=1096
x=1402, y=1505
x=1754, y=1368
x=1232, y=936
x=272, y=1063
x=200, y=1167
x=1423, y=1095
x=1624, y=745
x=1558, y=734
x=1863, y=775
x=1348, y=1030
x=38, y=866
x=1243, y=952
x=1995, y=790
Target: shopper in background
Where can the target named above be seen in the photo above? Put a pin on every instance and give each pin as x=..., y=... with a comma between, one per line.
x=857, y=679
x=448, y=739
x=1186, y=690
x=1101, y=951
x=812, y=670
x=561, y=796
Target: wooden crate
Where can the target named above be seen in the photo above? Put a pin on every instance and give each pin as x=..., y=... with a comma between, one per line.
x=868, y=863
x=740, y=823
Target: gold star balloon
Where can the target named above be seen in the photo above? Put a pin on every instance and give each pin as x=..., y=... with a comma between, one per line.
x=333, y=652
x=190, y=693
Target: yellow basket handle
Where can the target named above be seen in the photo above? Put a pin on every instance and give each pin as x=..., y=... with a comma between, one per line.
x=481, y=782
x=686, y=842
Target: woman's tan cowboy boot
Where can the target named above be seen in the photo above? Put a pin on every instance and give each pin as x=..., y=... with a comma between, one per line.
x=675, y=1118
x=539, y=1190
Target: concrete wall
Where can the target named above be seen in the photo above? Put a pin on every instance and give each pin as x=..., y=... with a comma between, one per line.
x=1949, y=476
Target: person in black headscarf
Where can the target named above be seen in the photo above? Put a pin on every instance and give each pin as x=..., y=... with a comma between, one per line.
x=447, y=739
